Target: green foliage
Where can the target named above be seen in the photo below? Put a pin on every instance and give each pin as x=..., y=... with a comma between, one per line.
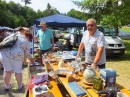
x=14, y=15
x=127, y=45
x=50, y=10
x=113, y=13
x=79, y=15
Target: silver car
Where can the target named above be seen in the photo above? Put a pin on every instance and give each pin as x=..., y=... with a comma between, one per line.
x=124, y=35
x=113, y=44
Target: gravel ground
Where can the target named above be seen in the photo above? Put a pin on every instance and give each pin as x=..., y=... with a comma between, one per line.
x=13, y=92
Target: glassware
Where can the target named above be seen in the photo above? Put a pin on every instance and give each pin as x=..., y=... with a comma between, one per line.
x=78, y=60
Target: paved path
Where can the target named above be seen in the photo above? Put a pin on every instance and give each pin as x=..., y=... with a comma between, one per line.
x=13, y=92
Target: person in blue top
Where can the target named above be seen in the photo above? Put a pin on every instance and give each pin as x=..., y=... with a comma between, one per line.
x=46, y=40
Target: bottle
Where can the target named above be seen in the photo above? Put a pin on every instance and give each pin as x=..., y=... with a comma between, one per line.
x=97, y=83
x=47, y=66
x=31, y=47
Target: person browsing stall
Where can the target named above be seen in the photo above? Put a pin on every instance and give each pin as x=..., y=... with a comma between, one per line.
x=3, y=35
x=93, y=41
x=12, y=59
x=46, y=40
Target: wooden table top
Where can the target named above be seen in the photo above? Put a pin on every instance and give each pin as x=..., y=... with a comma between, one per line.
x=54, y=90
x=90, y=92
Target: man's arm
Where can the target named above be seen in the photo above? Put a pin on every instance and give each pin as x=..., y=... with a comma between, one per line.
x=35, y=38
x=80, y=49
x=98, y=56
x=52, y=41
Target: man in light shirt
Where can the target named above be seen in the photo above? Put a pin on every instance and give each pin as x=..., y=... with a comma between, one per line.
x=46, y=40
x=93, y=41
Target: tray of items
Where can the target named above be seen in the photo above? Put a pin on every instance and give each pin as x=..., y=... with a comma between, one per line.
x=50, y=57
x=52, y=60
x=63, y=72
x=67, y=55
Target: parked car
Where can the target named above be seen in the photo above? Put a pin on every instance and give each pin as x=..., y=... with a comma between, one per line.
x=113, y=44
x=123, y=34
x=57, y=33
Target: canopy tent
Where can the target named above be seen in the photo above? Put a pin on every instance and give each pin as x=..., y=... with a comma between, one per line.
x=5, y=28
x=59, y=20
x=1, y=28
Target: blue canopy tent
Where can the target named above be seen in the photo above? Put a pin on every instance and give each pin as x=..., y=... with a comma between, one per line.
x=59, y=20
x=1, y=28
x=5, y=28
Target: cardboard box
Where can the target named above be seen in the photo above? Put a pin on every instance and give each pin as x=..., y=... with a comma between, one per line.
x=38, y=74
x=108, y=76
x=34, y=69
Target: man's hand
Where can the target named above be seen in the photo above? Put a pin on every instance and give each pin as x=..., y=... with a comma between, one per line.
x=77, y=56
x=94, y=65
x=52, y=48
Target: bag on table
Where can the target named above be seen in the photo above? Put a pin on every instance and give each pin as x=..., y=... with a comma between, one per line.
x=9, y=41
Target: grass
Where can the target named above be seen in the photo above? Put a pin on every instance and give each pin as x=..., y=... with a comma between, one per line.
x=122, y=66
x=126, y=29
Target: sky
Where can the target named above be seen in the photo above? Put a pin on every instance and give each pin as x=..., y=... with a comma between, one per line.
x=63, y=6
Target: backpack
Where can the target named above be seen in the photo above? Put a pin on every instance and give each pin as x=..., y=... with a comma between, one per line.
x=9, y=41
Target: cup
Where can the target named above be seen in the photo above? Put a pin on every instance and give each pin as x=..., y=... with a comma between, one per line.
x=119, y=94
x=78, y=60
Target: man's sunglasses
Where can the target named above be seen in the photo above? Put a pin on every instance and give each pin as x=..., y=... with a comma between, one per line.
x=90, y=25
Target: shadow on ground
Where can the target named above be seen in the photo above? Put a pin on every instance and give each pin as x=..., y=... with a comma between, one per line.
x=13, y=92
x=125, y=57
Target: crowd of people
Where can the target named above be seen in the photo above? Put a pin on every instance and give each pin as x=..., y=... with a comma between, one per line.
x=12, y=58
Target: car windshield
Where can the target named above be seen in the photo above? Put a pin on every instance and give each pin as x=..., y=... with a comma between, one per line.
x=76, y=30
x=106, y=31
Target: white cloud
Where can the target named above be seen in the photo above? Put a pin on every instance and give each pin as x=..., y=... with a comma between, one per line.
x=62, y=6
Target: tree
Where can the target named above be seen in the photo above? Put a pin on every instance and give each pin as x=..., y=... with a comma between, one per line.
x=50, y=10
x=3, y=13
x=108, y=12
x=14, y=15
x=77, y=14
x=39, y=14
x=30, y=15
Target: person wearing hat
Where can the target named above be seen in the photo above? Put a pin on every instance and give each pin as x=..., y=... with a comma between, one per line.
x=46, y=40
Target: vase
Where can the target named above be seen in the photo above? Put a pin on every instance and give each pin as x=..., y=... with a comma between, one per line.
x=89, y=74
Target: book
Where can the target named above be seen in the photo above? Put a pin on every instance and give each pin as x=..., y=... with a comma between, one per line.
x=77, y=90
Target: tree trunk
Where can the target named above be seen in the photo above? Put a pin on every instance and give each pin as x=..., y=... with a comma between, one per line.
x=116, y=30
